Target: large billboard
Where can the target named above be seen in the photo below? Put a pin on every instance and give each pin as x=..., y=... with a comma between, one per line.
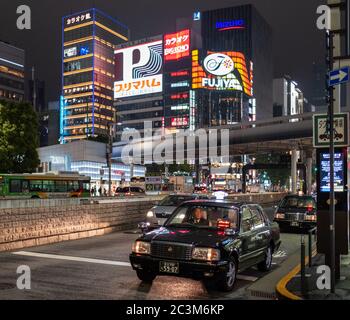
x=177, y=45
x=138, y=70
x=222, y=71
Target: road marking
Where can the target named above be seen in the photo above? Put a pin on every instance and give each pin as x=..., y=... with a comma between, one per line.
x=70, y=258
x=99, y=261
x=280, y=254
x=246, y=278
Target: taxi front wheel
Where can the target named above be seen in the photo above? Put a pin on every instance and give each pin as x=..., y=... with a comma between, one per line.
x=146, y=276
x=228, y=279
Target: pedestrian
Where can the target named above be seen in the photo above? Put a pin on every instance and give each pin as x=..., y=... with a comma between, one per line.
x=100, y=191
x=104, y=192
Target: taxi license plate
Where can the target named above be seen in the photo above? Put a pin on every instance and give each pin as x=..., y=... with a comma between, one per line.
x=169, y=267
x=294, y=224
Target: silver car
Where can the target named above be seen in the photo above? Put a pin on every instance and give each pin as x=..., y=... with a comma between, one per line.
x=157, y=215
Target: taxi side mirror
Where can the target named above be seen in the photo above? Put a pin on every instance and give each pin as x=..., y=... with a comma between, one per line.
x=144, y=226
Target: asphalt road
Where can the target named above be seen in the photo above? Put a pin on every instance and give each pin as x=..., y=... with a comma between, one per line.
x=98, y=268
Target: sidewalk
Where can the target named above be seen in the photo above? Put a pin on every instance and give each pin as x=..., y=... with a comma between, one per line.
x=313, y=293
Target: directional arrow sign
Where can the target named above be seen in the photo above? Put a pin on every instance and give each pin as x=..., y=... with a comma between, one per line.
x=339, y=76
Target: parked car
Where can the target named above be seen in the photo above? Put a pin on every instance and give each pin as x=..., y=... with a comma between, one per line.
x=208, y=240
x=200, y=189
x=129, y=191
x=157, y=215
x=296, y=211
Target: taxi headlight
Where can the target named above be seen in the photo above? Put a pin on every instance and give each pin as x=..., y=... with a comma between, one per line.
x=150, y=214
x=141, y=247
x=207, y=254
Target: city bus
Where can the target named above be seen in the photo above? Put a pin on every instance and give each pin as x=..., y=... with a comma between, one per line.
x=44, y=185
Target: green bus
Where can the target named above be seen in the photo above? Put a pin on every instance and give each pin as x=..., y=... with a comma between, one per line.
x=44, y=185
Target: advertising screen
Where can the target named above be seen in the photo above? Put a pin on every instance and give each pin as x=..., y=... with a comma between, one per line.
x=338, y=172
x=222, y=71
x=179, y=122
x=138, y=70
x=70, y=52
x=177, y=45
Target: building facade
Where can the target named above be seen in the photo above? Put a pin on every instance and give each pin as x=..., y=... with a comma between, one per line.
x=87, y=158
x=245, y=93
x=288, y=99
x=217, y=70
x=12, y=81
x=138, y=89
x=88, y=75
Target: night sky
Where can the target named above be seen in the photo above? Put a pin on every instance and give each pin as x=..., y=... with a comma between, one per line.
x=297, y=41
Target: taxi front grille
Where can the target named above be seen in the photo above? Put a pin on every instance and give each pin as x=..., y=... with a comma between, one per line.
x=171, y=250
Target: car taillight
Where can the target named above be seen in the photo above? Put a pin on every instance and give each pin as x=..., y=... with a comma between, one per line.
x=309, y=208
x=311, y=217
x=279, y=215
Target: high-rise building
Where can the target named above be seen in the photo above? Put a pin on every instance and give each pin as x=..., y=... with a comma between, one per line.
x=288, y=99
x=11, y=72
x=138, y=89
x=88, y=73
x=318, y=90
x=233, y=71
x=53, y=122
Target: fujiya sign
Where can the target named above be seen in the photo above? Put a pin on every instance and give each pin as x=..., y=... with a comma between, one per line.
x=218, y=64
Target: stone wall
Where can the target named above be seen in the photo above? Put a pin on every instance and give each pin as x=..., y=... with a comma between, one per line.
x=30, y=226
x=27, y=223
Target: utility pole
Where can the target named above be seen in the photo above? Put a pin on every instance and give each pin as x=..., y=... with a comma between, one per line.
x=109, y=157
x=330, y=99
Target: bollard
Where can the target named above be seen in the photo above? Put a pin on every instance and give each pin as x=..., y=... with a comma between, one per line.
x=302, y=269
x=310, y=248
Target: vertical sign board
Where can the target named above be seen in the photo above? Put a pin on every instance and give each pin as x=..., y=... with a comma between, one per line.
x=321, y=142
x=341, y=199
x=341, y=130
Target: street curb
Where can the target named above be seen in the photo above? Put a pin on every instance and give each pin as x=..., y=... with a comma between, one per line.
x=281, y=288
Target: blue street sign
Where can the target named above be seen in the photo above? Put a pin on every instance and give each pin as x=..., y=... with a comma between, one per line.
x=339, y=76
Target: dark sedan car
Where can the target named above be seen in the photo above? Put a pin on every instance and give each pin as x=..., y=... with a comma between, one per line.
x=158, y=214
x=208, y=240
x=296, y=211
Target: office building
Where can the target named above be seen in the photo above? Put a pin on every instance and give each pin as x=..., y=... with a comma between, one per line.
x=88, y=73
x=12, y=81
x=138, y=89
x=288, y=99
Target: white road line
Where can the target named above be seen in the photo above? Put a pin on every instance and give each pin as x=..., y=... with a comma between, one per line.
x=98, y=261
x=70, y=258
x=246, y=278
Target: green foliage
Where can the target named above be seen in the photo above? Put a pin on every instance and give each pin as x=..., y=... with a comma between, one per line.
x=276, y=176
x=18, y=138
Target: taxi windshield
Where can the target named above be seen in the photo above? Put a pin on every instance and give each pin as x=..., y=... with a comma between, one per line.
x=204, y=216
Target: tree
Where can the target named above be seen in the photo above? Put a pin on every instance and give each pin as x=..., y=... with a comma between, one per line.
x=18, y=138
x=276, y=176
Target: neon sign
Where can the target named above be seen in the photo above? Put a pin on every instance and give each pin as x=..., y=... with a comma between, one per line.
x=142, y=76
x=222, y=71
x=230, y=25
x=177, y=45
